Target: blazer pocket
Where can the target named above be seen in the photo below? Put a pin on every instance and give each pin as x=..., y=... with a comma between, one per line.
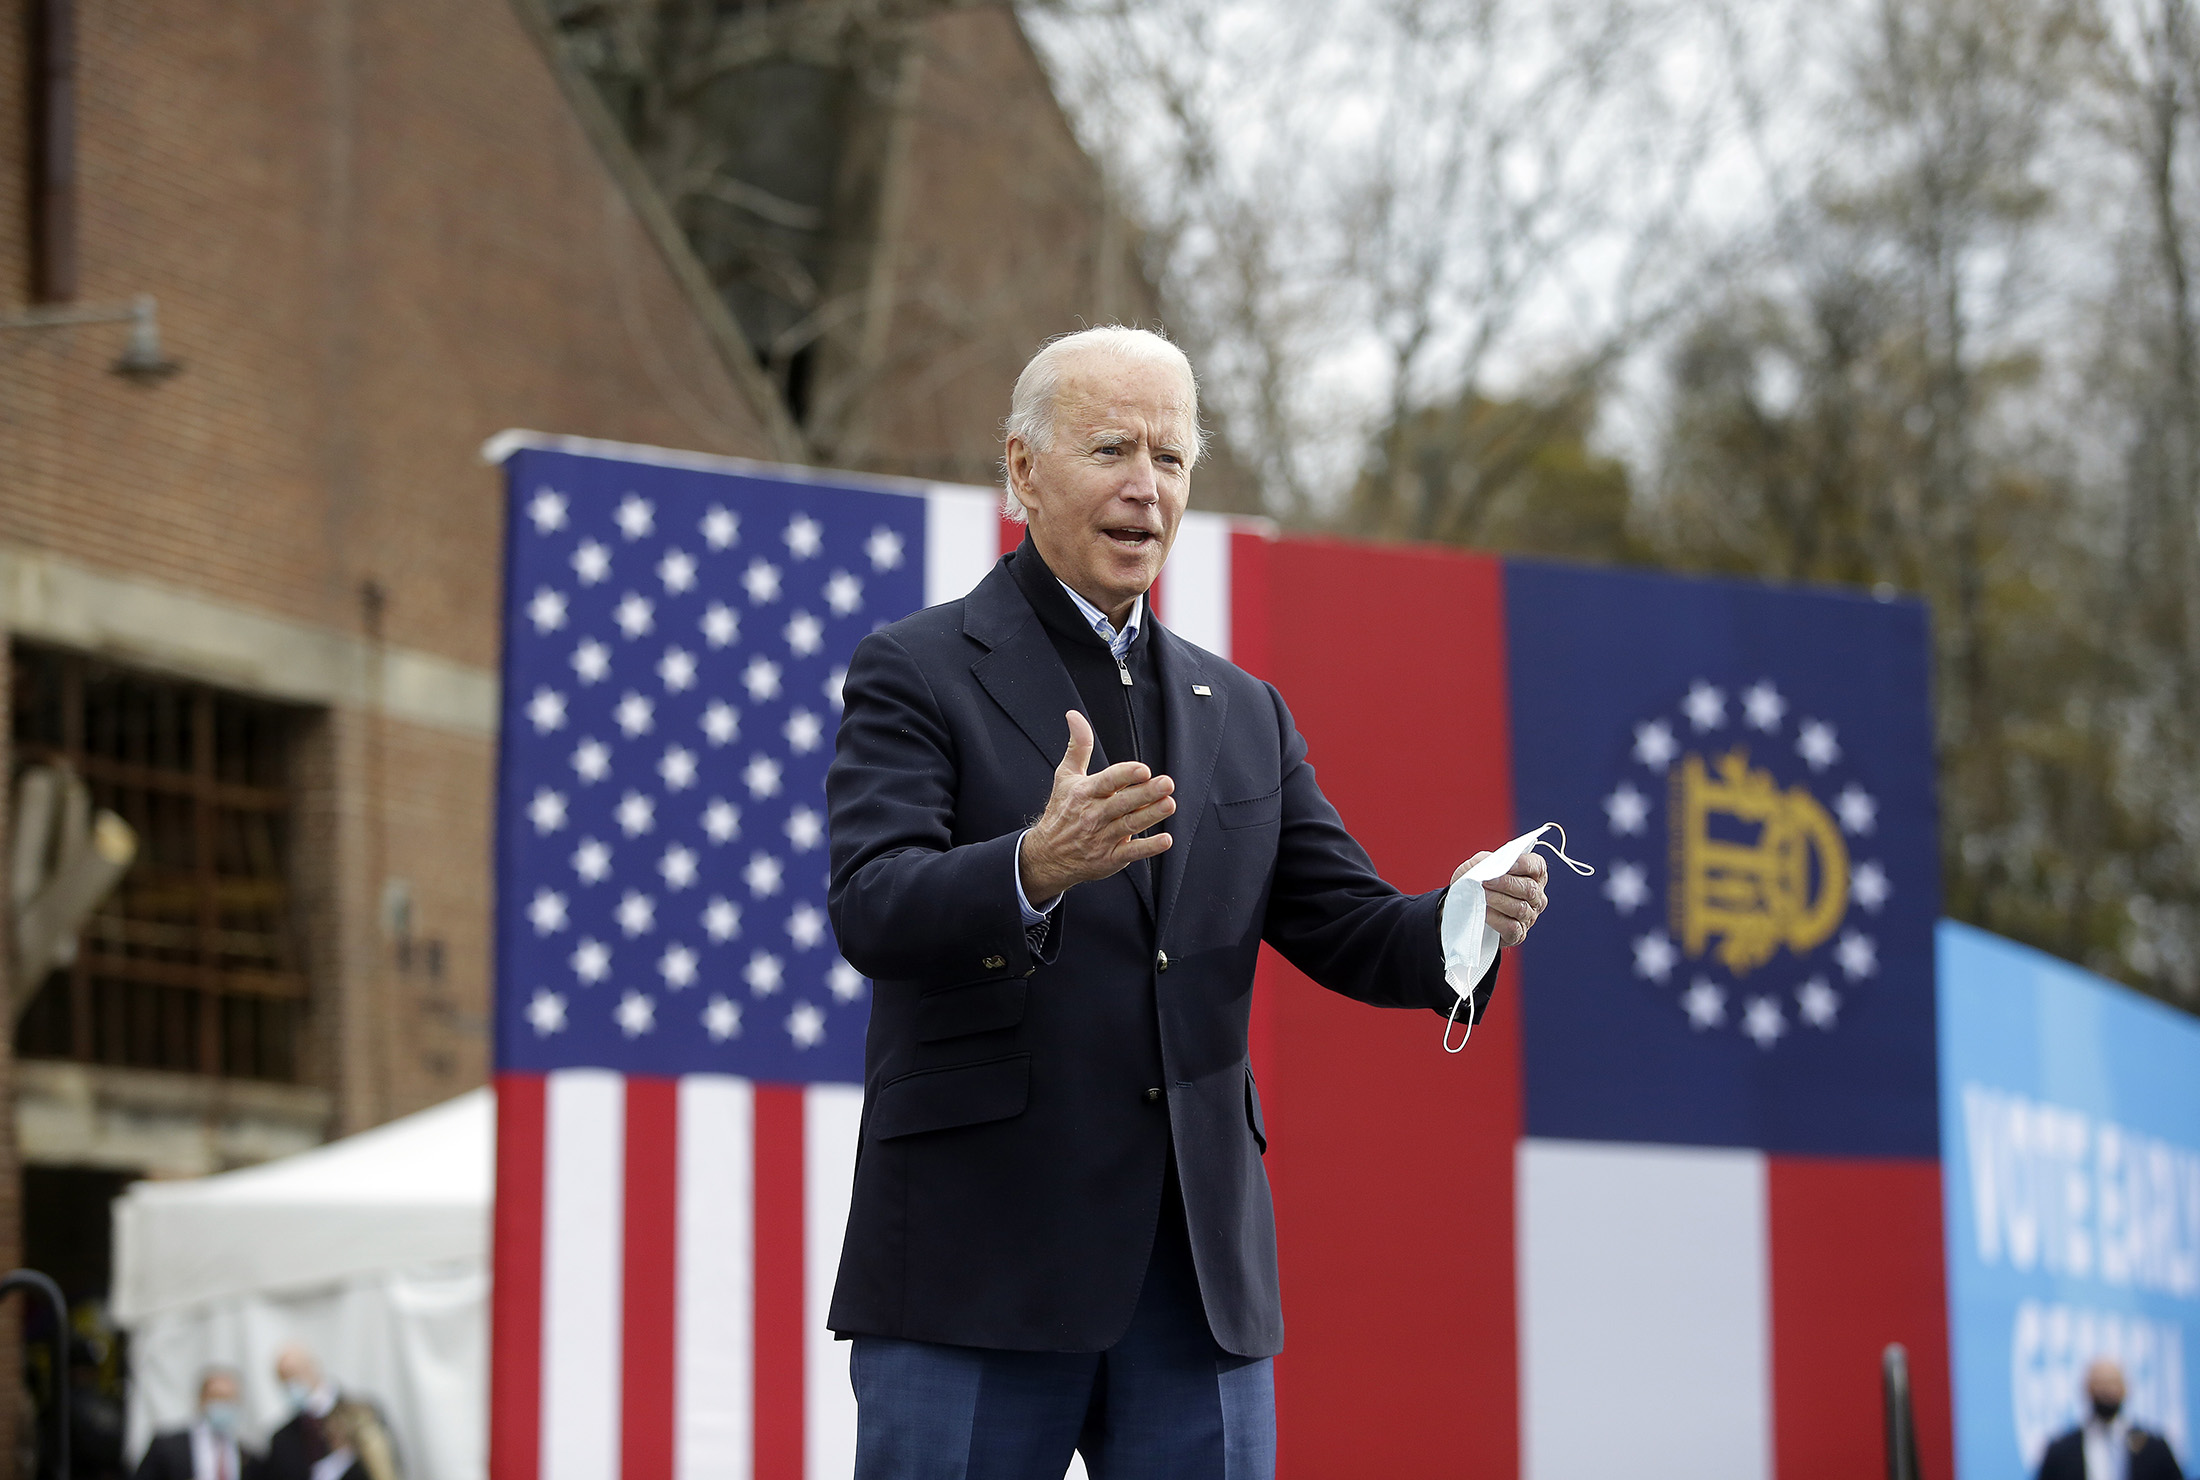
x=966, y=1094
x=973, y=1007
x=1252, y=1111
x=1251, y=811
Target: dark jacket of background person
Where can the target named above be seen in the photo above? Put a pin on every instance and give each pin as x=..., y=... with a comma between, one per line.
x=2151, y=1457
x=1019, y=1108
x=169, y=1457
x=96, y=1432
x=293, y=1449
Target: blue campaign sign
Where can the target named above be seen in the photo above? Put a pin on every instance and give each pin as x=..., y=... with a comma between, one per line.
x=2070, y=1115
x=1751, y=770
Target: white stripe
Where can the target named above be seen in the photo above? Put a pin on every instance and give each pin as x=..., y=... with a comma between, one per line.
x=1195, y=592
x=714, y=1317
x=515, y=439
x=831, y=1115
x=583, y=1235
x=962, y=539
x=1645, y=1346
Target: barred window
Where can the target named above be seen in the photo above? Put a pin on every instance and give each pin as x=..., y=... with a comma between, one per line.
x=191, y=963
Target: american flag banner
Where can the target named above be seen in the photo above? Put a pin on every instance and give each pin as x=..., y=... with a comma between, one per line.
x=679, y=1046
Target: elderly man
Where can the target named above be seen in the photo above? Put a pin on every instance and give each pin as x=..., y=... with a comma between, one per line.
x=2108, y=1446
x=1060, y=834
x=209, y=1448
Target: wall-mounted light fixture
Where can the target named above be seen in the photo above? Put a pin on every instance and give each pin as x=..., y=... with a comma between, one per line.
x=141, y=359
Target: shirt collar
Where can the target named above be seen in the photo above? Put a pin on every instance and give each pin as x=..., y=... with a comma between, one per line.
x=204, y=1438
x=1118, y=643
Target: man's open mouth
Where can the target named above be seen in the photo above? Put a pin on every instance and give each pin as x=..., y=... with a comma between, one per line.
x=1130, y=537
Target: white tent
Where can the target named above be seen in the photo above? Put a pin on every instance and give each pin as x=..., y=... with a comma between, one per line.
x=372, y=1251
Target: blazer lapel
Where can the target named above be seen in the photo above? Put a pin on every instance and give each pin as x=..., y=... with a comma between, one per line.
x=1195, y=724
x=1024, y=675
x=1029, y=682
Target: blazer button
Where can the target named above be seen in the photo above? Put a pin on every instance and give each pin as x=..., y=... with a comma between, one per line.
x=1161, y=961
x=1152, y=1095
x=994, y=963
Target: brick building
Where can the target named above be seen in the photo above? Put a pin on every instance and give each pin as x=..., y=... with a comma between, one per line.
x=249, y=584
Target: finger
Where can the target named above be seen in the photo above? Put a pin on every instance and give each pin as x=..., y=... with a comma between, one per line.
x=1079, y=754
x=1131, y=824
x=1511, y=886
x=1134, y=799
x=1137, y=848
x=1116, y=777
x=1530, y=865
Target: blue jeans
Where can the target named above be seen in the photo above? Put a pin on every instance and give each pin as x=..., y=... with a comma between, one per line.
x=1165, y=1401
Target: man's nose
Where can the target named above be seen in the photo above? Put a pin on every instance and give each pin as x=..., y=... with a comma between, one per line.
x=1141, y=484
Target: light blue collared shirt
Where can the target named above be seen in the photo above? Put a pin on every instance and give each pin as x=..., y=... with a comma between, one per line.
x=1118, y=643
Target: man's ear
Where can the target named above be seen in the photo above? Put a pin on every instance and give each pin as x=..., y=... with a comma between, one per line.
x=1020, y=460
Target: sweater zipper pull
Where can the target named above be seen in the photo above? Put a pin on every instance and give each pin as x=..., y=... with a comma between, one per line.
x=1123, y=671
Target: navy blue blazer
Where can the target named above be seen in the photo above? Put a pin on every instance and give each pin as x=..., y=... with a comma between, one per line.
x=1020, y=1108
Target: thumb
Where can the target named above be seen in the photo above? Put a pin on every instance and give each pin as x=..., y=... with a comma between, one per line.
x=1079, y=755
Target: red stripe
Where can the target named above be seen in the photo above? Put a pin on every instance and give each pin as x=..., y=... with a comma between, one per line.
x=515, y=1302
x=1250, y=622
x=652, y=1221
x=1378, y=1140
x=779, y=1283
x=1856, y=1263
x=1012, y=534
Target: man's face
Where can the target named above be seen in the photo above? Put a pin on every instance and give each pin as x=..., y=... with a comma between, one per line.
x=295, y=1365
x=1105, y=500
x=2104, y=1383
x=218, y=1388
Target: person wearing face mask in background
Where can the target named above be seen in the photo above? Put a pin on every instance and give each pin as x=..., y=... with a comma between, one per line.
x=296, y=1450
x=209, y=1449
x=302, y=1441
x=2109, y=1446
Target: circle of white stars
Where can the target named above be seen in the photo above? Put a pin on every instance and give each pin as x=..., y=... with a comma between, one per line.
x=1758, y=715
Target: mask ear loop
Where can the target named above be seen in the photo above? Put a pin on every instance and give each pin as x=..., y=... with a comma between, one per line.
x=1559, y=852
x=1452, y=1020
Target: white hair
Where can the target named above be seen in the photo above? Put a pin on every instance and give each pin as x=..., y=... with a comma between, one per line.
x=1039, y=390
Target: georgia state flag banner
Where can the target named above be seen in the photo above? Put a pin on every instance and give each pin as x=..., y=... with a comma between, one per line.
x=1728, y=1043
x=1659, y=1219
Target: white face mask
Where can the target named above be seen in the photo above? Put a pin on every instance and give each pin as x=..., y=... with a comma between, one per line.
x=1470, y=945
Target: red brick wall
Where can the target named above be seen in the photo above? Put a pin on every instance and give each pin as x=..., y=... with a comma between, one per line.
x=378, y=235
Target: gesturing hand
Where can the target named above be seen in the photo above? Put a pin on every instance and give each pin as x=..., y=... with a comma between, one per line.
x=1091, y=825
x=1514, y=898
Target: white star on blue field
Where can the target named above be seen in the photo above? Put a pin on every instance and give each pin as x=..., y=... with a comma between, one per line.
x=677, y=642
